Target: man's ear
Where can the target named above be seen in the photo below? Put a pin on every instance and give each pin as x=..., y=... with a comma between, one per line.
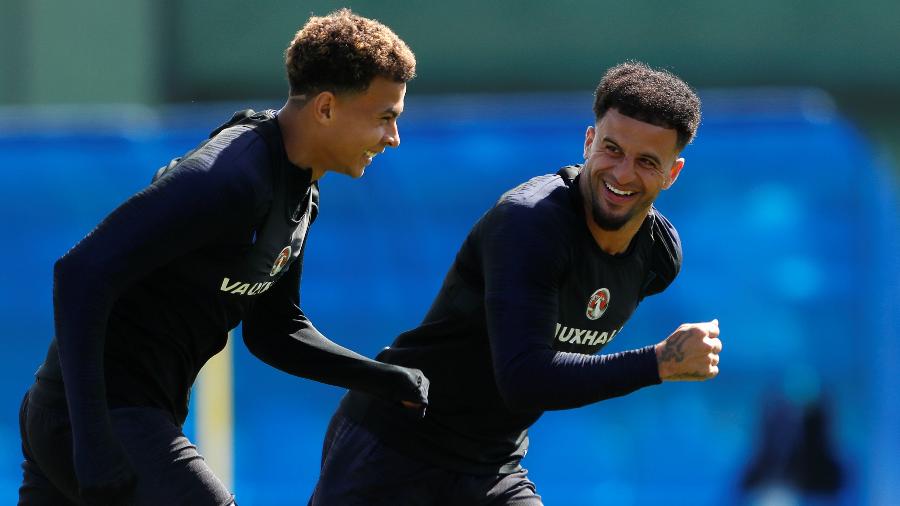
x=588, y=140
x=323, y=106
x=673, y=173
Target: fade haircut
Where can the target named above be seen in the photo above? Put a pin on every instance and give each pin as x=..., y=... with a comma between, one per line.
x=653, y=96
x=343, y=52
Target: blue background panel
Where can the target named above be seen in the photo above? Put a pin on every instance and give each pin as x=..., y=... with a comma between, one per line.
x=789, y=233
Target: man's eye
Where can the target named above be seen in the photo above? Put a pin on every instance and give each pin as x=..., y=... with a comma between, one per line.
x=652, y=167
x=612, y=149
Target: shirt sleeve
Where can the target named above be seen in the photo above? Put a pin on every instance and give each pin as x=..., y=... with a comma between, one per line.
x=524, y=255
x=278, y=332
x=197, y=201
x=666, y=256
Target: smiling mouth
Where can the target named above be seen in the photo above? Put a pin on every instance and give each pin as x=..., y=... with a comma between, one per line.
x=616, y=191
x=370, y=154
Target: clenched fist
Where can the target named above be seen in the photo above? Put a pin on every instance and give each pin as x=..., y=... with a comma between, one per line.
x=691, y=353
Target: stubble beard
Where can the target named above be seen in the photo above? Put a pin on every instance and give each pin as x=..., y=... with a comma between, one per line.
x=609, y=222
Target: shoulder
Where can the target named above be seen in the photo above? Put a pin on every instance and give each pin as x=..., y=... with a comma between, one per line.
x=666, y=253
x=236, y=160
x=665, y=236
x=543, y=203
x=532, y=227
x=539, y=190
x=243, y=146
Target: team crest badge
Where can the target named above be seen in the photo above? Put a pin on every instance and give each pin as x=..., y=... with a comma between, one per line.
x=597, y=304
x=281, y=261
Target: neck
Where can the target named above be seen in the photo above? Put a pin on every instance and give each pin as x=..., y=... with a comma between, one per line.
x=298, y=135
x=614, y=242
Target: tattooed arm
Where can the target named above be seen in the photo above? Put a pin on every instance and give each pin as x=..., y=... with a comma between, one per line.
x=691, y=353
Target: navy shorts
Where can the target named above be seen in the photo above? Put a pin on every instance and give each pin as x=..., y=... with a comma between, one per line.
x=169, y=469
x=358, y=469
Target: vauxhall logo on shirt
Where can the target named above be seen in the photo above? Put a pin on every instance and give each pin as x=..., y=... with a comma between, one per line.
x=242, y=288
x=572, y=335
x=597, y=304
x=281, y=260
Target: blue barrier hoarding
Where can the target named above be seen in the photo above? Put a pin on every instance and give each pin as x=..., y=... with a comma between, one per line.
x=788, y=229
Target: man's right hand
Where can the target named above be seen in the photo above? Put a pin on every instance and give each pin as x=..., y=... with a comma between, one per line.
x=691, y=353
x=416, y=398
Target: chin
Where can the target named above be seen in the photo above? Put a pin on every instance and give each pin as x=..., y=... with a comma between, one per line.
x=357, y=172
x=609, y=222
x=354, y=172
x=610, y=225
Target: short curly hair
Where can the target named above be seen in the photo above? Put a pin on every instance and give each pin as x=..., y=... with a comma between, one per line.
x=343, y=52
x=654, y=96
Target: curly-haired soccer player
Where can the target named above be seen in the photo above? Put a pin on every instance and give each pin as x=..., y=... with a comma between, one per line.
x=150, y=294
x=544, y=281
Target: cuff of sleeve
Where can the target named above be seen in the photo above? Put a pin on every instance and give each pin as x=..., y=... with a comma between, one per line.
x=647, y=365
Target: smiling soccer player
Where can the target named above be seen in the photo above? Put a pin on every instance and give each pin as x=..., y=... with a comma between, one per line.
x=218, y=238
x=542, y=283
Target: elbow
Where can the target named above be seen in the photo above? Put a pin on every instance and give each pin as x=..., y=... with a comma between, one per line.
x=524, y=382
x=517, y=393
x=251, y=341
x=256, y=344
x=257, y=351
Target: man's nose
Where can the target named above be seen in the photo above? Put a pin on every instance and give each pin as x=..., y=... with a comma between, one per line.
x=624, y=171
x=392, y=136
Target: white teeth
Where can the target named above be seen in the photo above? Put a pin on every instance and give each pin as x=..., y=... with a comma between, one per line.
x=371, y=154
x=617, y=191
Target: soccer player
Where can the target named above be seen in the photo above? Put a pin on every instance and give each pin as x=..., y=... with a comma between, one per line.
x=544, y=281
x=150, y=294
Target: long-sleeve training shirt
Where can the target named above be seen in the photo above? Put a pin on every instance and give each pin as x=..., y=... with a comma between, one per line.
x=528, y=302
x=150, y=294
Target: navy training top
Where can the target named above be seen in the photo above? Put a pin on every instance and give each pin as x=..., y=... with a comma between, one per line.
x=513, y=331
x=145, y=299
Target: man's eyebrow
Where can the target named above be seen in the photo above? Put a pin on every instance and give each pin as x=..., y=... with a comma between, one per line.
x=647, y=155
x=392, y=112
x=609, y=139
x=653, y=157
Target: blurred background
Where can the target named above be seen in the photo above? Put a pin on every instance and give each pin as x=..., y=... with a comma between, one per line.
x=787, y=209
